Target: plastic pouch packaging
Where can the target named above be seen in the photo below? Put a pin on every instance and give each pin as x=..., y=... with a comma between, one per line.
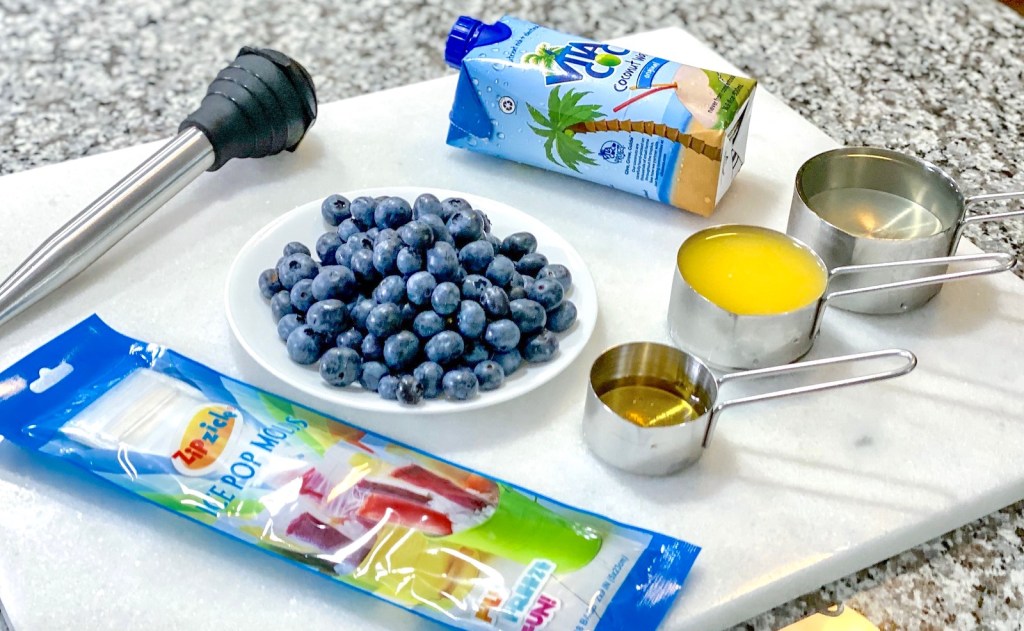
x=444, y=542
x=619, y=117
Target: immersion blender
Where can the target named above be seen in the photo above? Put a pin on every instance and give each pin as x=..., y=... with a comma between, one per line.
x=259, y=105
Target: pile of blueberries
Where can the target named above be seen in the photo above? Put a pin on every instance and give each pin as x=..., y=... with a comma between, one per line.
x=417, y=301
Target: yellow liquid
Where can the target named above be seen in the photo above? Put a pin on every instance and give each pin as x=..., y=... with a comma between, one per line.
x=750, y=270
x=650, y=406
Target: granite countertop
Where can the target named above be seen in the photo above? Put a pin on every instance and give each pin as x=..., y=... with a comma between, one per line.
x=941, y=79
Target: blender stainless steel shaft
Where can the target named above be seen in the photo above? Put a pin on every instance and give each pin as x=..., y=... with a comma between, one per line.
x=261, y=104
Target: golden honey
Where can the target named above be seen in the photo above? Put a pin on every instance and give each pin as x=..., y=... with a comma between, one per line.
x=749, y=270
x=647, y=403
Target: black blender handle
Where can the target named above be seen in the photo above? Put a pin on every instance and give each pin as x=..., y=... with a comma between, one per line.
x=260, y=105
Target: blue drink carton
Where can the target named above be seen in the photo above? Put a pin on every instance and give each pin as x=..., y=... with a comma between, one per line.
x=618, y=117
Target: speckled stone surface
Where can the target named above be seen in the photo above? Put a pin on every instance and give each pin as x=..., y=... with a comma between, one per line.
x=942, y=80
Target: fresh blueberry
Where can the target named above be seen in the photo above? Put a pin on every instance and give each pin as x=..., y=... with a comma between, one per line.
x=335, y=209
x=516, y=293
x=417, y=234
x=385, y=255
x=493, y=240
x=334, y=281
x=517, y=280
x=400, y=350
x=373, y=233
x=442, y=261
x=419, y=287
x=296, y=248
x=476, y=256
x=340, y=366
x=540, y=347
x=438, y=227
x=391, y=289
x=445, y=298
x=304, y=345
x=392, y=212
x=472, y=319
x=410, y=390
x=359, y=311
x=473, y=287
x=529, y=315
x=372, y=348
x=384, y=320
x=388, y=387
x=348, y=228
x=363, y=209
x=557, y=271
x=502, y=335
x=387, y=234
x=327, y=317
x=445, y=347
x=371, y=373
x=351, y=338
x=289, y=323
x=409, y=261
x=427, y=324
x=516, y=246
x=429, y=374
x=562, y=317
x=359, y=241
x=294, y=267
x=509, y=361
x=281, y=305
x=531, y=263
x=302, y=295
x=495, y=302
x=426, y=204
x=326, y=246
x=474, y=354
x=269, y=283
x=361, y=265
x=460, y=384
x=548, y=292
x=527, y=282
x=489, y=374
x=466, y=226
x=487, y=223
x=343, y=255
x=453, y=205
x=501, y=271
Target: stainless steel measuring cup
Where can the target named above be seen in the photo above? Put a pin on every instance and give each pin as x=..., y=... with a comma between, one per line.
x=863, y=205
x=736, y=341
x=644, y=432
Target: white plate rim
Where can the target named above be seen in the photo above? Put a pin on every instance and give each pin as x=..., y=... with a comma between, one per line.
x=584, y=294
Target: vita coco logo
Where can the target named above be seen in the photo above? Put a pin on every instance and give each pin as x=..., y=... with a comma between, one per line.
x=567, y=63
x=205, y=439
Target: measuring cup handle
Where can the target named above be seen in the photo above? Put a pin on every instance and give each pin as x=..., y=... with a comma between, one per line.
x=910, y=361
x=999, y=262
x=981, y=199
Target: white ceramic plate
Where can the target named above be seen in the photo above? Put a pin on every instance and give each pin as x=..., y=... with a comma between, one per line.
x=250, y=320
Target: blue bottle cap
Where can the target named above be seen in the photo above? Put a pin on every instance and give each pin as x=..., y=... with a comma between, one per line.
x=468, y=33
x=461, y=39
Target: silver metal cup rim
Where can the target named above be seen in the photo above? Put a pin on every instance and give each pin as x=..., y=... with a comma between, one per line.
x=817, y=257
x=873, y=152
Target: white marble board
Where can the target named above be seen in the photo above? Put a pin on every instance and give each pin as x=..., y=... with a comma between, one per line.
x=792, y=494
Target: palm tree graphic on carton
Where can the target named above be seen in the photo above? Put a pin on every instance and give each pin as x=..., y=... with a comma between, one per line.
x=566, y=117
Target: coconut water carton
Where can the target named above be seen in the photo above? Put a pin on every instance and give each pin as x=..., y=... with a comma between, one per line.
x=619, y=117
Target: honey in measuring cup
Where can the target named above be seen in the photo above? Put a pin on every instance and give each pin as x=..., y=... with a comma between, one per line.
x=748, y=270
x=652, y=402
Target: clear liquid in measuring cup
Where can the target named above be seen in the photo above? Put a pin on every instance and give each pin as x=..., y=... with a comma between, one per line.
x=873, y=214
x=651, y=403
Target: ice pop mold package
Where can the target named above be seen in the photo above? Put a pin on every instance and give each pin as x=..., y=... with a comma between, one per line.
x=619, y=117
x=449, y=544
